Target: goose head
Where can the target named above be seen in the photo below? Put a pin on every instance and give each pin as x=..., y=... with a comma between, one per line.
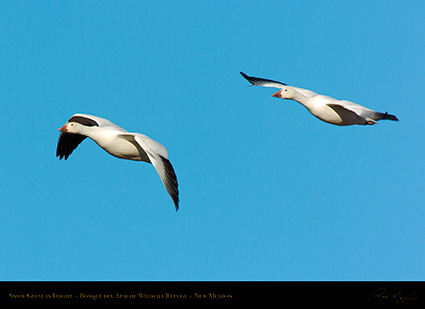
x=285, y=93
x=72, y=127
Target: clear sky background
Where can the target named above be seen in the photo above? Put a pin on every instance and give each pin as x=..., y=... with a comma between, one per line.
x=268, y=192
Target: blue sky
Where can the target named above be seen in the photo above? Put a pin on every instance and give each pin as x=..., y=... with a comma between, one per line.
x=268, y=192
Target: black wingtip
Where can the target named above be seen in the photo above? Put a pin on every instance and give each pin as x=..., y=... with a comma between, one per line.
x=248, y=78
x=176, y=199
x=258, y=81
x=170, y=182
x=67, y=143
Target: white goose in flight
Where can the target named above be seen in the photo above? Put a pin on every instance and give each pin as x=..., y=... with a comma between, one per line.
x=327, y=109
x=119, y=143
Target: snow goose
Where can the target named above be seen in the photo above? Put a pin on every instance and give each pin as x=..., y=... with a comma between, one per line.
x=119, y=143
x=327, y=109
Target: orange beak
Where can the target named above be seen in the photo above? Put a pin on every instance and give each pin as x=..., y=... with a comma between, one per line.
x=63, y=129
x=277, y=94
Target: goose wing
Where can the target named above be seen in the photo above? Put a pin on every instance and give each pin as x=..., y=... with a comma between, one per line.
x=158, y=156
x=258, y=81
x=67, y=143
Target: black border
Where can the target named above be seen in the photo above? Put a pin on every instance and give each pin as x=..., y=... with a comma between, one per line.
x=15, y=293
